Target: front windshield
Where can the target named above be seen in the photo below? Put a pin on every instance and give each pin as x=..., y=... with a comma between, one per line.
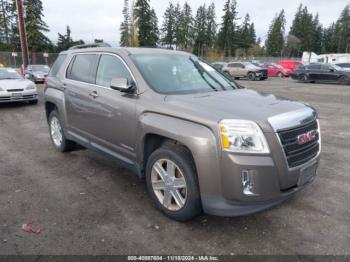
x=180, y=74
x=42, y=68
x=9, y=74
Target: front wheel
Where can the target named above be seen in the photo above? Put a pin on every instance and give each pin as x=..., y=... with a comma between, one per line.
x=344, y=80
x=172, y=182
x=303, y=78
x=252, y=76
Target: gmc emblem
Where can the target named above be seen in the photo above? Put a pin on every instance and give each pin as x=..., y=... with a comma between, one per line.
x=307, y=137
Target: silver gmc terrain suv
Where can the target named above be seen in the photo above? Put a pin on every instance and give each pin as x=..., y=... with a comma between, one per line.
x=201, y=141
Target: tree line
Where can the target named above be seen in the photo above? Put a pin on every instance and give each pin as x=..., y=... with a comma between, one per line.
x=184, y=29
x=201, y=34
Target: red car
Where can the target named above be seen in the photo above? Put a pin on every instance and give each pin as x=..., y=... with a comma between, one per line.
x=292, y=65
x=275, y=70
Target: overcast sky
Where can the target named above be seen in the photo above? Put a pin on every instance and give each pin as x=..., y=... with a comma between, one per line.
x=90, y=19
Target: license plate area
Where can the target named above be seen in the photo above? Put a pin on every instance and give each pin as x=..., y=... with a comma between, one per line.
x=15, y=95
x=307, y=174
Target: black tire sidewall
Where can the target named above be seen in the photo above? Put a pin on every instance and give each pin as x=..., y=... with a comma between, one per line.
x=183, y=160
x=252, y=76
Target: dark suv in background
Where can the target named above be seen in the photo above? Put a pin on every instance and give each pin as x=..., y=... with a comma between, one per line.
x=200, y=141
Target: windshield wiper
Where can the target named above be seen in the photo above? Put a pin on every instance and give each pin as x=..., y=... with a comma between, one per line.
x=202, y=71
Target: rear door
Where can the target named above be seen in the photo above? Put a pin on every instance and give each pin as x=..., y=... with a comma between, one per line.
x=79, y=93
x=314, y=72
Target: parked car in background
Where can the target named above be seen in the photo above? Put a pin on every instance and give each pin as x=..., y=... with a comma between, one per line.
x=345, y=66
x=201, y=142
x=37, y=73
x=275, y=70
x=15, y=88
x=322, y=73
x=245, y=70
x=219, y=65
x=292, y=65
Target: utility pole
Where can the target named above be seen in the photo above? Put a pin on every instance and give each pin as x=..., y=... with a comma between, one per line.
x=22, y=33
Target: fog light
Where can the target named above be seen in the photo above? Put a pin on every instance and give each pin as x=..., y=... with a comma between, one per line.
x=248, y=182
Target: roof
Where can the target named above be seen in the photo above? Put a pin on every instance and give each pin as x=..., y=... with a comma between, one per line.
x=128, y=50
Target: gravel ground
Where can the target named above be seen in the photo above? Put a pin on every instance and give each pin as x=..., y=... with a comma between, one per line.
x=86, y=204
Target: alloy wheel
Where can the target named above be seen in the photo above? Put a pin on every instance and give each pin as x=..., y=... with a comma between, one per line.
x=169, y=184
x=56, y=131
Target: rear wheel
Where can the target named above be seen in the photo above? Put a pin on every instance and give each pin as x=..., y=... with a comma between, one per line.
x=60, y=142
x=280, y=75
x=344, y=80
x=252, y=76
x=172, y=182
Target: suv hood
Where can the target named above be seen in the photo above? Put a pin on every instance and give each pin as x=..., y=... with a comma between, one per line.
x=235, y=104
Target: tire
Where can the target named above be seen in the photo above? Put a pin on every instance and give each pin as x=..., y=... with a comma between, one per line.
x=33, y=102
x=58, y=138
x=280, y=75
x=252, y=76
x=303, y=78
x=344, y=80
x=187, y=203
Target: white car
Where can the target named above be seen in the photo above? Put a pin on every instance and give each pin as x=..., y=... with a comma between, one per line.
x=15, y=88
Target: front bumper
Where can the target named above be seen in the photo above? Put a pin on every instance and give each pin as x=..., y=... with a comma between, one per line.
x=26, y=95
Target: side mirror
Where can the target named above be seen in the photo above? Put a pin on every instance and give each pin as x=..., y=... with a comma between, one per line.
x=122, y=85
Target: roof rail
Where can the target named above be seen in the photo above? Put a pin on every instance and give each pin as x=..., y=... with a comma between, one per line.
x=89, y=46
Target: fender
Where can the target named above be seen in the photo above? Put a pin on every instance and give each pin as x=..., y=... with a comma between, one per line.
x=57, y=97
x=199, y=139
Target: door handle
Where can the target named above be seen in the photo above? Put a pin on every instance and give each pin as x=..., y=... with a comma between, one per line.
x=93, y=94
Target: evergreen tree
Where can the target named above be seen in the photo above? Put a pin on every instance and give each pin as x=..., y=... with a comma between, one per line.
x=227, y=33
x=275, y=38
x=5, y=21
x=329, y=44
x=200, y=25
x=36, y=27
x=186, y=27
x=211, y=27
x=65, y=41
x=154, y=33
x=342, y=31
x=168, y=27
x=247, y=36
x=143, y=16
x=125, y=35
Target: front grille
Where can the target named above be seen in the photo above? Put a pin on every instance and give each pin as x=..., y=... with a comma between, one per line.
x=297, y=154
x=263, y=72
x=15, y=90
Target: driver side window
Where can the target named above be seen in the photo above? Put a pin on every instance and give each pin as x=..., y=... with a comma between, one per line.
x=111, y=67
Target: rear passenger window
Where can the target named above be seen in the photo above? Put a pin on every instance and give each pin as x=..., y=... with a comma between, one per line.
x=83, y=68
x=111, y=67
x=57, y=65
x=314, y=67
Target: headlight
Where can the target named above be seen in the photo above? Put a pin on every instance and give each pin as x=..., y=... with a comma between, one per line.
x=242, y=136
x=31, y=87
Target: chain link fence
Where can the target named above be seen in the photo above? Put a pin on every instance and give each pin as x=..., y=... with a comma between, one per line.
x=14, y=59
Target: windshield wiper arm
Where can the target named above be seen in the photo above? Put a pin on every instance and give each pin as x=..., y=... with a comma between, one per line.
x=201, y=72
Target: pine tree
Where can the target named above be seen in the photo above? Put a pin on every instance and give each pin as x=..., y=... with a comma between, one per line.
x=275, y=38
x=125, y=36
x=342, y=31
x=65, y=41
x=168, y=27
x=154, y=33
x=227, y=33
x=35, y=26
x=200, y=37
x=211, y=27
x=143, y=16
x=186, y=25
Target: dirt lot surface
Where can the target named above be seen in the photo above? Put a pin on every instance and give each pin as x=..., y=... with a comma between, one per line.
x=86, y=204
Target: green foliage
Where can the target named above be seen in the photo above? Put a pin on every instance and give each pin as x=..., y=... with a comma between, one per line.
x=200, y=36
x=227, y=34
x=36, y=27
x=169, y=26
x=275, y=38
x=145, y=23
x=125, y=34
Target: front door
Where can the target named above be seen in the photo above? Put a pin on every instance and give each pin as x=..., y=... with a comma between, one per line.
x=114, y=116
